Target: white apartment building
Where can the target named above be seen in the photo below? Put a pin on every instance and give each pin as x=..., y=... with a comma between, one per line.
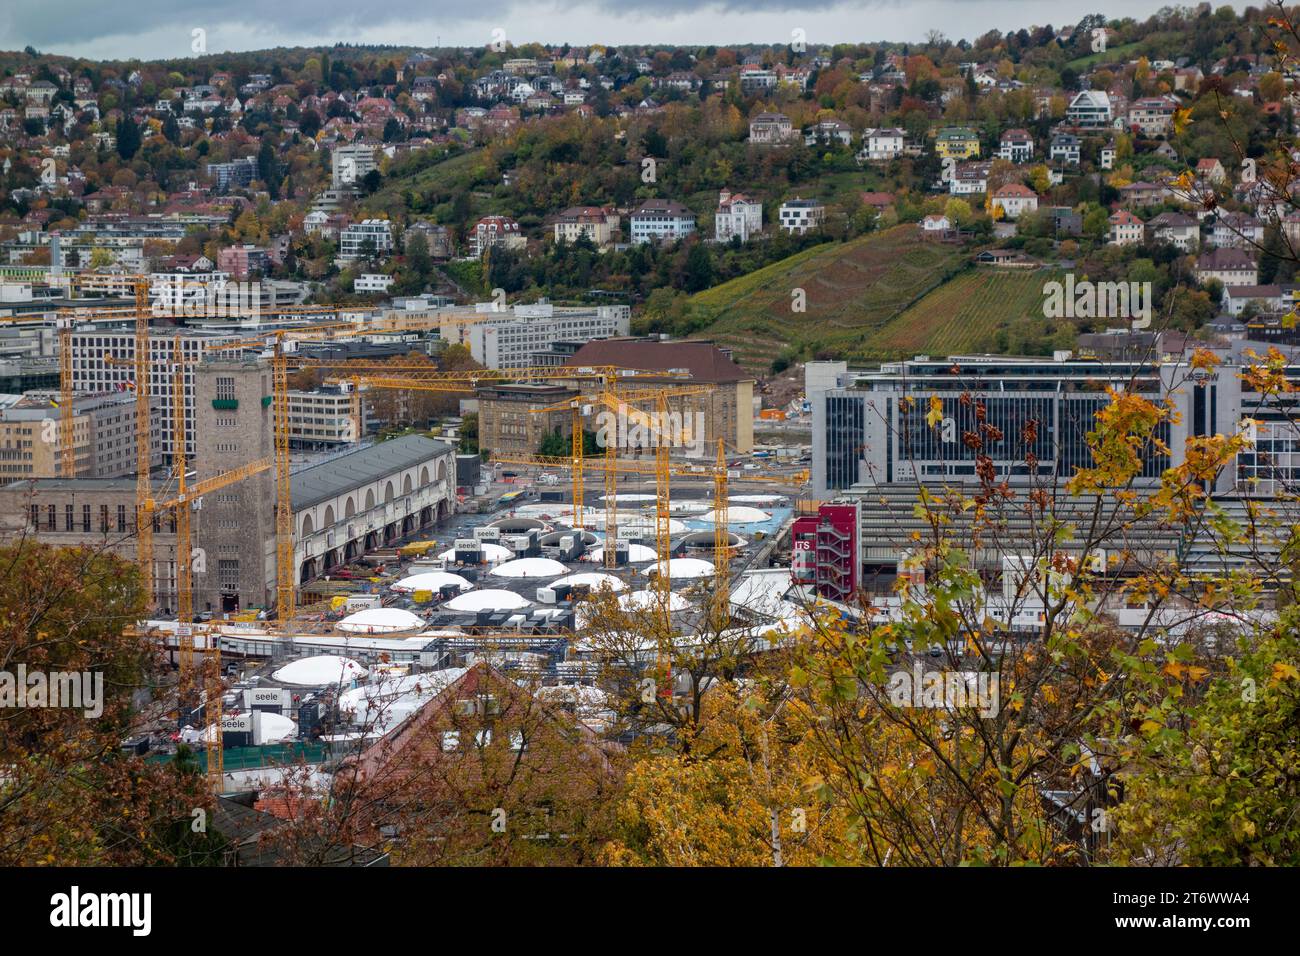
x=1016, y=146
x=881, y=145
x=498, y=231
x=798, y=216
x=372, y=282
x=1089, y=108
x=970, y=179
x=657, y=220
x=1126, y=229
x=1229, y=265
x=349, y=164
x=91, y=372
x=738, y=215
x=368, y=237
x=757, y=81
x=510, y=339
x=1015, y=200
x=323, y=417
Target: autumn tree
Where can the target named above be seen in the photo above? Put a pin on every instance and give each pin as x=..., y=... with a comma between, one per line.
x=68, y=795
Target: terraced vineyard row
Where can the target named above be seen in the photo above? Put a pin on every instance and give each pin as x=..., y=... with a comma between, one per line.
x=965, y=314
x=852, y=290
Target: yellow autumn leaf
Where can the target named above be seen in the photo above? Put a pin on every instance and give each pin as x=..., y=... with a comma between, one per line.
x=935, y=415
x=1285, y=671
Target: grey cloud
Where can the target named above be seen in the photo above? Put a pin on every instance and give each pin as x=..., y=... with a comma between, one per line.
x=69, y=22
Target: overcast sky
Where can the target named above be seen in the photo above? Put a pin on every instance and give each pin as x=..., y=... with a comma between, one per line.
x=118, y=29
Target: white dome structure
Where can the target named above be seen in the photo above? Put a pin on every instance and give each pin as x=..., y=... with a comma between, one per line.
x=685, y=569
x=380, y=620
x=629, y=499
x=277, y=728
x=740, y=515
x=489, y=599
x=591, y=579
x=320, y=671
x=650, y=600
x=383, y=705
x=492, y=553
x=636, y=553
x=431, y=581
x=529, y=568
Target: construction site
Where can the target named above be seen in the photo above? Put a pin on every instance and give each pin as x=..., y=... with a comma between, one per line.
x=351, y=577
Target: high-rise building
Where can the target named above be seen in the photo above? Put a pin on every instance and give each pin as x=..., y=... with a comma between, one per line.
x=103, y=436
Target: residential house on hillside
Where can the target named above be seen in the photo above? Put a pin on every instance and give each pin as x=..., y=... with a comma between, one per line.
x=1236, y=229
x=596, y=223
x=737, y=216
x=755, y=80
x=1090, y=109
x=1066, y=222
x=1016, y=146
x=1269, y=299
x=1229, y=265
x=798, y=216
x=957, y=142
x=658, y=220
x=437, y=236
x=1065, y=149
x=770, y=129
x=936, y=224
x=881, y=145
x=495, y=232
x=1177, y=229
x=970, y=178
x=1126, y=229
x=828, y=132
x=1210, y=170
x=1015, y=200
x=370, y=237
x=1152, y=116
x=1139, y=194
x=879, y=203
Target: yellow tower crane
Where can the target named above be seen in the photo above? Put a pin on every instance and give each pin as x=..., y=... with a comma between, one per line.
x=623, y=404
x=716, y=472
x=397, y=375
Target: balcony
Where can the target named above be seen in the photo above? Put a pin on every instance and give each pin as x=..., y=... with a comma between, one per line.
x=225, y=404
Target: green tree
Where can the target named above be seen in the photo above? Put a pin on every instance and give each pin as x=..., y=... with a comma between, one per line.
x=128, y=137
